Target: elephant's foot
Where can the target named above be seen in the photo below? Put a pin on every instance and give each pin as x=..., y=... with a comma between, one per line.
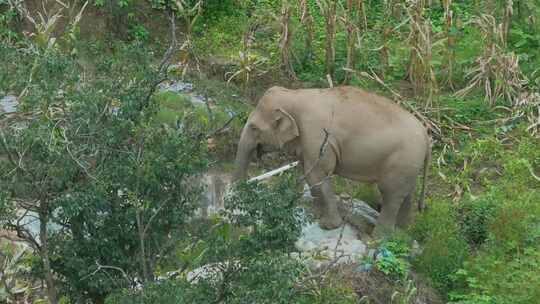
x=330, y=222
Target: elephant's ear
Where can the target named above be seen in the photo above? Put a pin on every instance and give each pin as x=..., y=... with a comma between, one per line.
x=286, y=128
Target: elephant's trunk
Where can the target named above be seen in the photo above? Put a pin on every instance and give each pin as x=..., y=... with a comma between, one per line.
x=246, y=146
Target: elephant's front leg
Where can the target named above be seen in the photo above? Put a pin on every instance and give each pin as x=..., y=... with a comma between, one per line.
x=325, y=199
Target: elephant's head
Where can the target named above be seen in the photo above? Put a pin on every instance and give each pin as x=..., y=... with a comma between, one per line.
x=268, y=128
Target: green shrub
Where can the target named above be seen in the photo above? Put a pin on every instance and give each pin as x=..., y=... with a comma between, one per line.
x=264, y=222
x=271, y=213
x=393, y=257
x=444, y=248
x=504, y=280
x=474, y=217
x=500, y=219
x=120, y=187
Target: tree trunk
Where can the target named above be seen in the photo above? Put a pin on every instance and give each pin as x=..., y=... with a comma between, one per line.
x=44, y=253
x=144, y=264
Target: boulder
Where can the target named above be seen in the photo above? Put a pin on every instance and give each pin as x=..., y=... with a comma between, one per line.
x=359, y=214
x=320, y=246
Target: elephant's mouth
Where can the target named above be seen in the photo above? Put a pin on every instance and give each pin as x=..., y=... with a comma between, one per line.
x=260, y=151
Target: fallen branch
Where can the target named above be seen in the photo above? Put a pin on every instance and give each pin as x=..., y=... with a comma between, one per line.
x=273, y=172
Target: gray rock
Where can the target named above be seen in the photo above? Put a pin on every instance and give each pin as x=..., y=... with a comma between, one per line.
x=9, y=104
x=320, y=246
x=360, y=208
x=359, y=214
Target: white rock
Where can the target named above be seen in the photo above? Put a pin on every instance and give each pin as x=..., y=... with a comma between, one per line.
x=331, y=244
x=9, y=104
x=212, y=272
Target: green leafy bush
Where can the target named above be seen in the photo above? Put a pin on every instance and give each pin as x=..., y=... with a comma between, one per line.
x=120, y=187
x=253, y=251
x=474, y=217
x=273, y=216
x=393, y=258
x=444, y=248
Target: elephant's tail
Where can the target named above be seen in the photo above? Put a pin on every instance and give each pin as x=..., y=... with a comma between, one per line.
x=427, y=160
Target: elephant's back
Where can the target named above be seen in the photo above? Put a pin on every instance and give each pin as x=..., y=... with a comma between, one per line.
x=352, y=110
x=352, y=106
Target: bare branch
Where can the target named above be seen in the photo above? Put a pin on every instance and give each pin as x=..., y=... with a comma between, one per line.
x=101, y=267
x=222, y=128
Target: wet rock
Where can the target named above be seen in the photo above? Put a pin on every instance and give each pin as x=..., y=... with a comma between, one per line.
x=359, y=214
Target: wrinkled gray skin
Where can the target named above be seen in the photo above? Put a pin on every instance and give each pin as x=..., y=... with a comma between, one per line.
x=371, y=139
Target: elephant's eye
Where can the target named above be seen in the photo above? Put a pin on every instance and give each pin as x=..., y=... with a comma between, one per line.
x=253, y=127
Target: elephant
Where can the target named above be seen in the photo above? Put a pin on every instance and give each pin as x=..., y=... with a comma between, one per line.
x=343, y=131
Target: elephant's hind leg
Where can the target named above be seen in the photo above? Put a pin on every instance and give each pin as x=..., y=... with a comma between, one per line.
x=404, y=215
x=395, y=191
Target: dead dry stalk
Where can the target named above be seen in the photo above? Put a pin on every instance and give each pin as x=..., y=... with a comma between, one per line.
x=328, y=9
x=421, y=69
x=497, y=72
x=450, y=42
x=306, y=19
x=189, y=13
x=386, y=35
x=507, y=20
x=286, y=39
x=352, y=21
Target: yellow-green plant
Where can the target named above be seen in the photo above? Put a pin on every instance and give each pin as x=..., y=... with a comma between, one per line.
x=352, y=20
x=189, y=14
x=45, y=23
x=496, y=71
x=248, y=65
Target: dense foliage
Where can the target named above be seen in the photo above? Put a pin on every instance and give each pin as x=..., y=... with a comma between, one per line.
x=107, y=167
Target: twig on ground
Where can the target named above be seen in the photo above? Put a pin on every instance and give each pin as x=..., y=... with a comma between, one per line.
x=339, y=239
